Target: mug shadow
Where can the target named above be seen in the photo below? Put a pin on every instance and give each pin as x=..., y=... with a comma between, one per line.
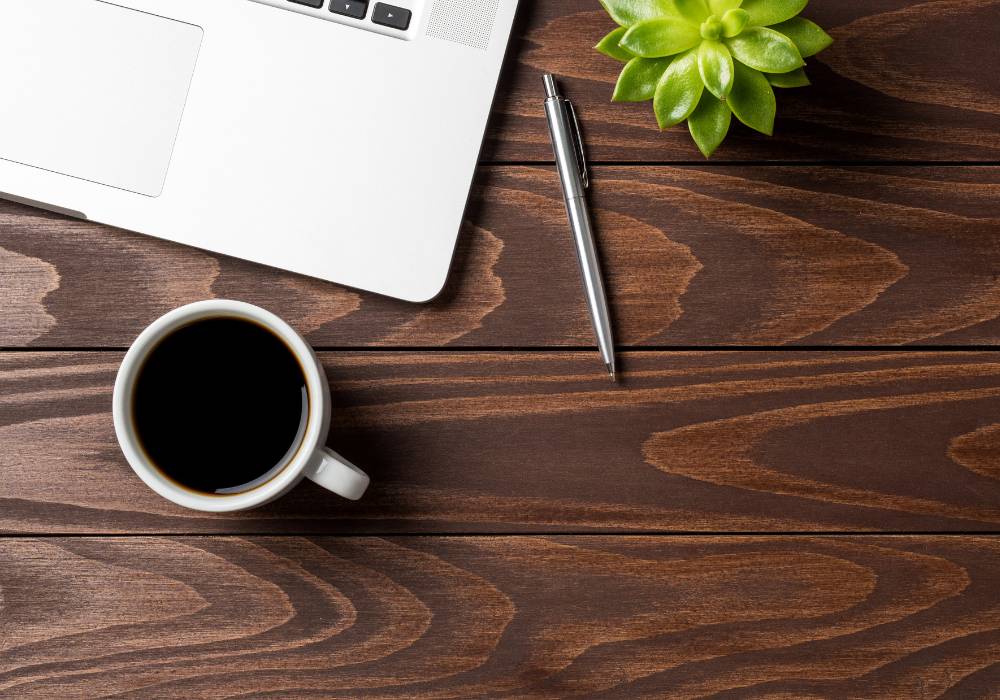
x=311, y=509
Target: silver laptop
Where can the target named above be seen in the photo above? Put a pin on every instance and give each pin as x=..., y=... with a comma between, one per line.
x=333, y=138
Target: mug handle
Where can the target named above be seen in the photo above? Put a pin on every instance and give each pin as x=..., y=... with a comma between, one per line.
x=334, y=473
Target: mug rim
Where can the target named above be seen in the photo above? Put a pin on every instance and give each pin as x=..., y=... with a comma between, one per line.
x=315, y=434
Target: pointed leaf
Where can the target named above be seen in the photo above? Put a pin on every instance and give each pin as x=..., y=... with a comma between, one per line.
x=765, y=50
x=679, y=90
x=734, y=22
x=665, y=36
x=709, y=123
x=715, y=64
x=764, y=13
x=610, y=48
x=637, y=82
x=695, y=11
x=752, y=99
x=793, y=79
x=628, y=12
x=721, y=7
x=808, y=37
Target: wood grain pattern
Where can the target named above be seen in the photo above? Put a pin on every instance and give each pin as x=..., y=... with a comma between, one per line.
x=904, y=80
x=26, y=283
x=521, y=443
x=601, y=617
x=693, y=255
x=527, y=442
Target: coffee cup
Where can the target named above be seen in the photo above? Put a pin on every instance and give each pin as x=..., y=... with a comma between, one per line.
x=212, y=393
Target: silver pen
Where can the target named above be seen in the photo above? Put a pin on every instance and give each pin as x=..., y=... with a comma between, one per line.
x=572, y=166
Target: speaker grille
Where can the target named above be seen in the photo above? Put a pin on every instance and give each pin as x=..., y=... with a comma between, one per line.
x=468, y=22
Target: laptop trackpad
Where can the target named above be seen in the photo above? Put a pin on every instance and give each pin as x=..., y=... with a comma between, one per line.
x=93, y=90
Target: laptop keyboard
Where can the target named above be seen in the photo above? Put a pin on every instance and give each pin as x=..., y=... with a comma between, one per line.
x=382, y=14
x=349, y=8
x=391, y=16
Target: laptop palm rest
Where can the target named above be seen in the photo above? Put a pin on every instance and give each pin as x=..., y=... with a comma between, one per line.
x=111, y=113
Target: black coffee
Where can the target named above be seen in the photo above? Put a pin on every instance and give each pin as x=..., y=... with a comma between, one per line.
x=219, y=405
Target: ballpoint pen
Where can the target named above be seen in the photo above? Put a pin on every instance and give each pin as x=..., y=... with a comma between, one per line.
x=567, y=146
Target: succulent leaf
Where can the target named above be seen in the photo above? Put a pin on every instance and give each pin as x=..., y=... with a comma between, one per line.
x=715, y=64
x=694, y=11
x=628, y=12
x=709, y=123
x=752, y=99
x=792, y=79
x=764, y=13
x=807, y=36
x=711, y=29
x=705, y=60
x=734, y=22
x=678, y=91
x=664, y=36
x=639, y=78
x=721, y=7
x=609, y=46
x=765, y=50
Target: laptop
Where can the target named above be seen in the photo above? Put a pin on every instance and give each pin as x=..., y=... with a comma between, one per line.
x=333, y=138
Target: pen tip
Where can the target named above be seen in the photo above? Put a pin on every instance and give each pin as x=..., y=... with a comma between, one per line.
x=611, y=373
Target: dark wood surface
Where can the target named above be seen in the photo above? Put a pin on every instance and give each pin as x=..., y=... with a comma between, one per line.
x=905, y=80
x=500, y=617
x=695, y=256
x=794, y=492
x=523, y=442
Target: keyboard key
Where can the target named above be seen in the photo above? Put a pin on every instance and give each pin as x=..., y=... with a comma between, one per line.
x=349, y=8
x=310, y=3
x=391, y=16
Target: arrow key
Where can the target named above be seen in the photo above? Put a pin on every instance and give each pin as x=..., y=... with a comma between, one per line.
x=350, y=8
x=391, y=16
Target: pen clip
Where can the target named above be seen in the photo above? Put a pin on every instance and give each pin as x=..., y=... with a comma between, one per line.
x=581, y=157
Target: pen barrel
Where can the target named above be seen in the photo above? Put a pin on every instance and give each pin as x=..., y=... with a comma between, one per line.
x=590, y=267
x=564, y=146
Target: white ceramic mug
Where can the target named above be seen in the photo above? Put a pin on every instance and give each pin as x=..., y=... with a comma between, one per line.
x=311, y=457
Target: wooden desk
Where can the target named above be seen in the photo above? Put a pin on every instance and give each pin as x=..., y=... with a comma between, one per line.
x=794, y=492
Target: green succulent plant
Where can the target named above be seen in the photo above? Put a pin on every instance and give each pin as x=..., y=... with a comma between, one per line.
x=705, y=60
